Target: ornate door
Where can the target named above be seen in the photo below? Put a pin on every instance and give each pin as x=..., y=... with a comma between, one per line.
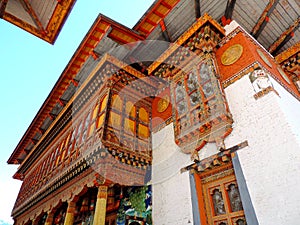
x=221, y=198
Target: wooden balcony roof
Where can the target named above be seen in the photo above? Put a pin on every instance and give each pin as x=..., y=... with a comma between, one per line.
x=43, y=19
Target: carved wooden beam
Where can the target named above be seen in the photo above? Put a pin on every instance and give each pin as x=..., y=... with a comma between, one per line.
x=29, y=9
x=284, y=37
x=264, y=18
x=3, y=4
x=293, y=50
x=197, y=9
x=211, y=160
x=229, y=9
x=164, y=30
x=226, y=19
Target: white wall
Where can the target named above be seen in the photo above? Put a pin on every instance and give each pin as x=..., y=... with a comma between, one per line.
x=271, y=163
x=172, y=202
x=291, y=109
x=171, y=189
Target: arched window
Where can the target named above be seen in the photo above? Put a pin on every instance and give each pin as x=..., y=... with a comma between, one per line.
x=101, y=113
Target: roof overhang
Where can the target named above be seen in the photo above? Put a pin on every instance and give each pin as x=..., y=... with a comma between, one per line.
x=43, y=19
x=102, y=29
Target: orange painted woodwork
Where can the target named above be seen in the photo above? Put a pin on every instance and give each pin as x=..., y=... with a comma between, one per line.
x=217, y=203
x=56, y=13
x=252, y=53
x=158, y=116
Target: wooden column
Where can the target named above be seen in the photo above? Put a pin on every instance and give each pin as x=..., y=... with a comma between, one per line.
x=69, y=219
x=100, y=210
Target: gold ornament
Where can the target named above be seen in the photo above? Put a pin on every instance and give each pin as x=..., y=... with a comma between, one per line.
x=232, y=54
x=163, y=104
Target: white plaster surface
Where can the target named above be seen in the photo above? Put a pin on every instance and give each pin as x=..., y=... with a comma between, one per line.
x=271, y=162
x=171, y=189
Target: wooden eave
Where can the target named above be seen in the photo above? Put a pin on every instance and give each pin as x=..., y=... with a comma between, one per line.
x=102, y=26
x=285, y=36
x=48, y=32
x=264, y=18
x=293, y=50
x=104, y=60
x=184, y=37
x=151, y=19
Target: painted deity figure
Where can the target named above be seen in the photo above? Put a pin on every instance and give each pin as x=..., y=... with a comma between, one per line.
x=235, y=200
x=240, y=222
x=260, y=80
x=218, y=202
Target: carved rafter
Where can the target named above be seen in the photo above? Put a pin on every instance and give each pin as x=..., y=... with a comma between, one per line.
x=264, y=18
x=228, y=12
x=223, y=156
x=229, y=8
x=197, y=9
x=293, y=50
x=27, y=6
x=164, y=31
x=3, y=4
x=284, y=37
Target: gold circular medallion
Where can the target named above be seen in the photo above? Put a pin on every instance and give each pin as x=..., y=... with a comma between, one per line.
x=284, y=76
x=232, y=54
x=263, y=57
x=163, y=104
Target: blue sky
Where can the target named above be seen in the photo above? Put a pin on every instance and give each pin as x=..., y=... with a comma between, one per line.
x=29, y=68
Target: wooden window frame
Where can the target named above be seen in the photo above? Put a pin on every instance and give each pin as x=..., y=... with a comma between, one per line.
x=217, y=177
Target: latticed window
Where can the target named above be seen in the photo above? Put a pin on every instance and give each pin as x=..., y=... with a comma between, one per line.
x=129, y=123
x=197, y=96
x=93, y=119
x=71, y=140
x=87, y=121
x=200, y=107
x=101, y=113
x=220, y=197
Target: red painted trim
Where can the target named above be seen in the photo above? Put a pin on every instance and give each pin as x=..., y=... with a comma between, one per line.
x=90, y=46
x=100, y=30
x=132, y=35
x=267, y=19
x=60, y=102
x=93, y=54
x=73, y=72
x=94, y=38
x=292, y=34
x=153, y=8
x=74, y=82
x=163, y=25
x=53, y=20
x=117, y=39
x=200, y=199
x=166, y=5
x=34, y=17
x=80, y=59
x=150, y=22
x=144, y=30
x=159, y=14
x=85, y=53
x=77, y=66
